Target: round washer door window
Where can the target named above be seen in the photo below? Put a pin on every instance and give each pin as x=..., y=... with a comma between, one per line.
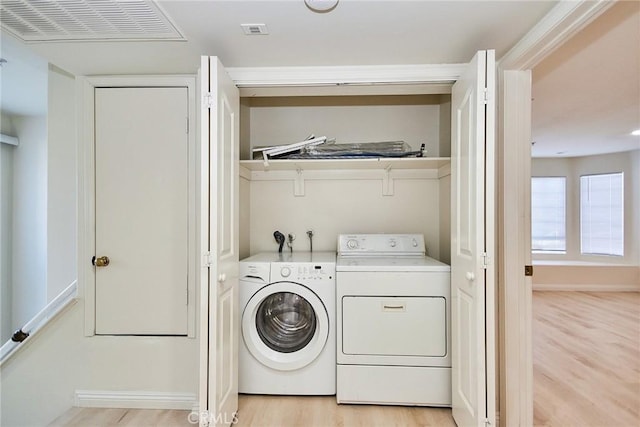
x=285, y=322
x=285, y=326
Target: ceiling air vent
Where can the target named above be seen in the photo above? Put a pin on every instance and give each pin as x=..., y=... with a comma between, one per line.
x=46, y=20
x=254, y=29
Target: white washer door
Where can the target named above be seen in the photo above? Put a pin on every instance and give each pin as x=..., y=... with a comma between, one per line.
x=285, y=326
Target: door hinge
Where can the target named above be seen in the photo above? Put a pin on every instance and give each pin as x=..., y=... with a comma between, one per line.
x=485, y=260
x=207, y=260
x=485, y=95
x=187, y=125
x=208, y=100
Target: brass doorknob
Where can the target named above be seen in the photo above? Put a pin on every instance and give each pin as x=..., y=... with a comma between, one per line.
x=102, y=261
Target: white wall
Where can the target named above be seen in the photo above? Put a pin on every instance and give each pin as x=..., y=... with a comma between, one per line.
x=444, y=149
x=349, y=204
x=333, y=207
x=413, y=119
x=61, y=185
x=29, y=249
x=573, y=168
x=6, y=228
x=445, y=219
x=245, y=217
x=39, y=382
x=39, y=209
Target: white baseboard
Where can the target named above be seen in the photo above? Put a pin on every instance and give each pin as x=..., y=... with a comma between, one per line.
x=135, y=399
x=586, y=288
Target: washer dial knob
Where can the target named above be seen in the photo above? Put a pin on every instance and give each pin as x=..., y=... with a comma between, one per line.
x=352, y=244
x=285, y=271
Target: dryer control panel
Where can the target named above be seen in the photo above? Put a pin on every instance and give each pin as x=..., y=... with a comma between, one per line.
x=362, y=245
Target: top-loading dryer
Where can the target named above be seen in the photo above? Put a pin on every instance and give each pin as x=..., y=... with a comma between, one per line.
x=393, y=327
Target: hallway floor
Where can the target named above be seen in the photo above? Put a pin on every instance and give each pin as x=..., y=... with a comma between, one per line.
x=586, y=357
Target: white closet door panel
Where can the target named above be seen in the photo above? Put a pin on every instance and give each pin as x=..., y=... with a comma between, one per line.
x=141, y=157
x=471, y=291
x=220, y=144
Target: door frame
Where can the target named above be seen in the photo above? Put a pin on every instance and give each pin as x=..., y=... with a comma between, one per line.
x=514, y=201
x=86, y=186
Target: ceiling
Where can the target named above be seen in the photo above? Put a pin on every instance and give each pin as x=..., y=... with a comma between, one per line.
x=586, y=94
x=356, y=32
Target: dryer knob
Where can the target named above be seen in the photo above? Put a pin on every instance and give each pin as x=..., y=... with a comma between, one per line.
x=352, y=244
x=285, y=271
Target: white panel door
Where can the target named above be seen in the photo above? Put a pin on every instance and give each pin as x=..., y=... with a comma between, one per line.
x=472, y=305
x=220, y=141
x=141, y=210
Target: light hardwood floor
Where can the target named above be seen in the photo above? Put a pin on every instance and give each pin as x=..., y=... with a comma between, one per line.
x=271, y=411
x=323, y=412
x=586, y=373
x=103, y=417
x=586, y=359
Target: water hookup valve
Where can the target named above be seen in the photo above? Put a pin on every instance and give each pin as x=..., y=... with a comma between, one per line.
x=279, y=238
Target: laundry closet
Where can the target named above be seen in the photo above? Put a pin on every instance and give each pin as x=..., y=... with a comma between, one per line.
x=335, y=196
x=446, y=195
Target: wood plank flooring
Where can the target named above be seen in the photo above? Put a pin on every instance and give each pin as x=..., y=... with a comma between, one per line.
x=278, y=411
x=586, y=373
x=103, y=417
x=271, y=411
x=586, y=358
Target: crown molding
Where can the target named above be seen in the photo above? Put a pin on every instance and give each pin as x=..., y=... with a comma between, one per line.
x=555, y=28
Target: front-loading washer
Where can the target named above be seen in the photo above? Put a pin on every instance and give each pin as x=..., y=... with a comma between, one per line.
x=288, y=310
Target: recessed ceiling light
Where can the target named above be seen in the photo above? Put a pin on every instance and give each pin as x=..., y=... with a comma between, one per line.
x=636, y=132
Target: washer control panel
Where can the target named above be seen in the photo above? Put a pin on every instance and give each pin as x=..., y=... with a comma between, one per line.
x=307, y=268
x=381, y=245
x=302, y=272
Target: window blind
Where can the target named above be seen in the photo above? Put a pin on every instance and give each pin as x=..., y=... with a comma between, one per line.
x=602, y=214
x=548, y=214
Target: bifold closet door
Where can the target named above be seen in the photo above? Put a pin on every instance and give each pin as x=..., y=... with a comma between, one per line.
x=220, y=316
x=472, y=241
